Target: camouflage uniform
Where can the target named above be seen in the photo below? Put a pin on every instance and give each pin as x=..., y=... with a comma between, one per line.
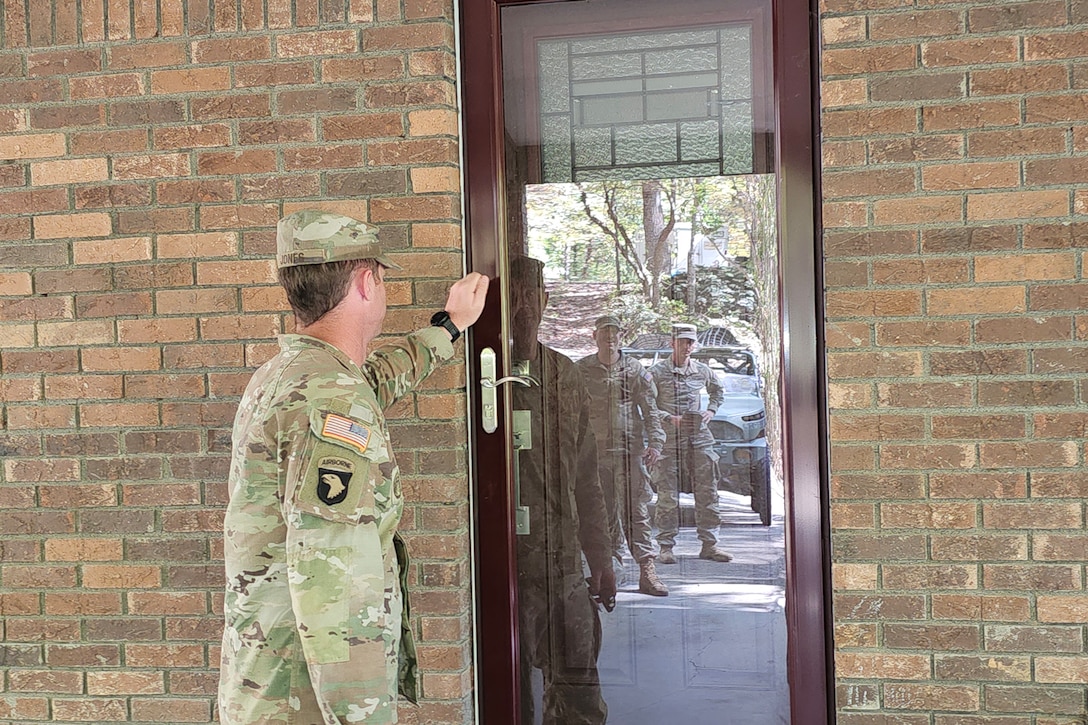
x=316, y=629
x=623, y=412
x=688, y=451
x=560, y=628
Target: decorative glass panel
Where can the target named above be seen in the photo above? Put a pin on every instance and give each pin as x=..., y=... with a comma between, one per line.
x=682, y=60
x=679, y=106
x=737, y=138
x=555, y=132
x=694, y=80
x=627, y=173
x=605, y=44
x=605, y=66
x=641, y=144
x=647, y=99
x=699, y=141
x=554, y=86
x=593, y=146
x=609, y=110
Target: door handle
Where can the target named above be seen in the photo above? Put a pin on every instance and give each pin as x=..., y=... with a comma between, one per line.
x=488, y=386
x=526, y=380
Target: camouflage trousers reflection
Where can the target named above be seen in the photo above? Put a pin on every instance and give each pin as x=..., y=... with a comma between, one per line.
x=683, y=463
x=627, y=494
x=561, y=636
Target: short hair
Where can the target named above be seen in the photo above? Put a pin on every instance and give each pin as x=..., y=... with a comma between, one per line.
x=527, y=272
x=314, y=289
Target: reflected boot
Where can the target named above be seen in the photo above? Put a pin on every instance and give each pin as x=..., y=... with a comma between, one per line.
x=712, y=552
x=648, y=583
x=666, y=556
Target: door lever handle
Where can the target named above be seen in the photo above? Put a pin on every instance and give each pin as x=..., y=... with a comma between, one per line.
x=526, y=380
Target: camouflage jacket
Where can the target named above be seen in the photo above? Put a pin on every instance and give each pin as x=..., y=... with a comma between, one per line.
x=623, y=408
x=316, y=624
x=678, y=392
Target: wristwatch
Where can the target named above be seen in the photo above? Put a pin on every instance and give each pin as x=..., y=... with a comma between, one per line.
x=442, y=319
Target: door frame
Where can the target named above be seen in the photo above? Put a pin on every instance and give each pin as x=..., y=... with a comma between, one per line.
x=804, y=411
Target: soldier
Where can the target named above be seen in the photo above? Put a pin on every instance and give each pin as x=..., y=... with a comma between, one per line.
x=316, y=616
x=689, y=448
x=627, y=425
x=559, y=625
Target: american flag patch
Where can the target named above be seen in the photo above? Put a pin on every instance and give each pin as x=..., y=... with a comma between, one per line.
x=346, y=430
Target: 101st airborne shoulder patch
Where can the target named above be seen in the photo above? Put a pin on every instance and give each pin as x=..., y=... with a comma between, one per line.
x=333, y=479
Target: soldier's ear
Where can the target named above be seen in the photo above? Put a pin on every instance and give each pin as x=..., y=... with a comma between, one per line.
x=366, y=281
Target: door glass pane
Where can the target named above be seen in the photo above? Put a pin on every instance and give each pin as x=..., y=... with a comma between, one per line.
x=642, y=259
x=625, y=85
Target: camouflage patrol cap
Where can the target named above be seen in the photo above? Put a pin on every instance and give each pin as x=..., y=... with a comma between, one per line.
x=684, y=332
x=607, y=321
x=311, y=236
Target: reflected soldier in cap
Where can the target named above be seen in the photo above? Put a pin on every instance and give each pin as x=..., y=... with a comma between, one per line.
x=627, y=425
x=689, y=449
x=559, y=622
x=316, y=627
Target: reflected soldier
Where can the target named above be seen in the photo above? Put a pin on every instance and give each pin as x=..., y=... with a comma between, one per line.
x=689, y=450
x=560, y=627
x=627, y=426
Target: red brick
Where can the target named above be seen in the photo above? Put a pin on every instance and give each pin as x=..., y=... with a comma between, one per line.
x=230, y=50
x=978, y=427
x=1026, y=393
x=90, y=709
x=976, y=300
x=917, y=210
x=419, y=93
x=1017, y=16
x=1026, y=577
x=1056, y=108
x=330, y=42
x=927, y=516
x=962, y=176
x=1031, y=515
x=972, y=51
x=929, y=334
x=1016, y=142
x=922, y=457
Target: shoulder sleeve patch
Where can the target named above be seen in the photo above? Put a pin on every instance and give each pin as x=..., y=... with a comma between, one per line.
x=344, y=429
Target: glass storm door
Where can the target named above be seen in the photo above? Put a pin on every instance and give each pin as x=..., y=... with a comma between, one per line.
x=646, y=427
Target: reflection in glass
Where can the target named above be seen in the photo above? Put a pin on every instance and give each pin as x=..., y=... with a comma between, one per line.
x=649, y=466
x=641, y=90
x=568, y=522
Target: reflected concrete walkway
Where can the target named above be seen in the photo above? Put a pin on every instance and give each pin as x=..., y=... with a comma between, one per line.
x=714, y=651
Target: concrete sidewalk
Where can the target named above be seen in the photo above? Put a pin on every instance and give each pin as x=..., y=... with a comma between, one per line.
x=714, y=651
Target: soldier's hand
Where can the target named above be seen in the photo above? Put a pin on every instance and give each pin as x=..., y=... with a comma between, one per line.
x=651, y=456
x=707, y=415
x=606, y=592
x=466, y=299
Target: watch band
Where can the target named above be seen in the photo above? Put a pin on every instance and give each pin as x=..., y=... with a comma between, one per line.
x=442, y=319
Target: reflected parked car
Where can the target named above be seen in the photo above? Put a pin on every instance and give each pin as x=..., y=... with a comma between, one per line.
x=739, y=425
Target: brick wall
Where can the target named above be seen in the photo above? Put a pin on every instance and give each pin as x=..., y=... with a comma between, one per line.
x=955, y=145
x=146, y=151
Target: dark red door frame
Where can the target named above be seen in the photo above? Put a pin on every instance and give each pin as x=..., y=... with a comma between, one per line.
x=804, y=395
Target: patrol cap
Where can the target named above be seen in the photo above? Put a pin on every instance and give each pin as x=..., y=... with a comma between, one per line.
x=607, y=321
x=311, y=236
x=684, y=332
